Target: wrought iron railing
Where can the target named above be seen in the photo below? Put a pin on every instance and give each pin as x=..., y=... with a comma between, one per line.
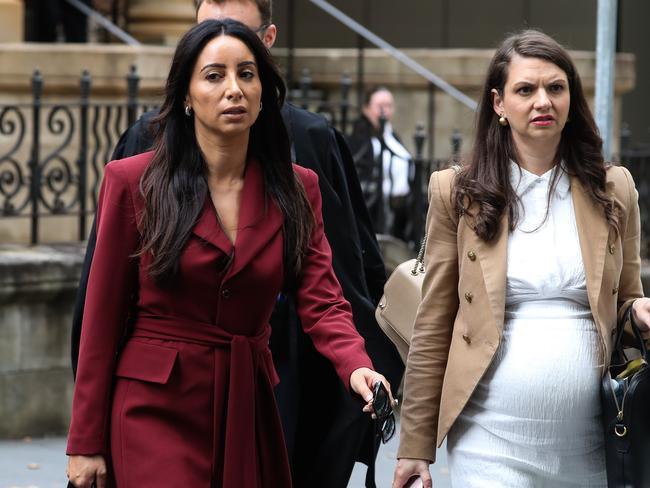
x=52, y=154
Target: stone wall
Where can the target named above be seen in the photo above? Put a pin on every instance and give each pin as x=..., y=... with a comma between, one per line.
x=61, y=67
x=37, y=291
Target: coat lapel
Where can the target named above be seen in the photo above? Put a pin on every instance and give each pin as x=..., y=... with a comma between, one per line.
x=207, y=228
x=260, y=219
x=493, y=258
x=593, y=233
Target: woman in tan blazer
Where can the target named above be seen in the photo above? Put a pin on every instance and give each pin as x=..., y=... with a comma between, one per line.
x=533, y=251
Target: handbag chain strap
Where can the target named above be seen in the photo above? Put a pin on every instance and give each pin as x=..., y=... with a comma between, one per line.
x=418, y=267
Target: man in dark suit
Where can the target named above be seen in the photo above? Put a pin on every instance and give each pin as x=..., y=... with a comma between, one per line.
x=325, y=430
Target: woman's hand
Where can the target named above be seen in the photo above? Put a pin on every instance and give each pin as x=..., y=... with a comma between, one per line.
x=83, y=471
x=362, y=380
x=408, y=468
x=641, y=314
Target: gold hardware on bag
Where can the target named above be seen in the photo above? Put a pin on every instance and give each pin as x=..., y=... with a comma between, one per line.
x=620, y=434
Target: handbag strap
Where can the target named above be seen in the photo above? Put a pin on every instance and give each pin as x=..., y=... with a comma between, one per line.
x=618, y=353
x=418, y=267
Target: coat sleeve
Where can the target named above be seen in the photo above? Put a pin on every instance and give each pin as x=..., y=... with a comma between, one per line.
x=325, y=315
x=373, y=263
x=135, y=140
x=432, y=331
x=112, y=283
x=630, y=287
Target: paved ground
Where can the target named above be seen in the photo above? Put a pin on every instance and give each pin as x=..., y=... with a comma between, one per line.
x=40, y=463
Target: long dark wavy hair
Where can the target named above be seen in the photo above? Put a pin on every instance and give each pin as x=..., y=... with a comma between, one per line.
x=174, y=185
x=484, y=184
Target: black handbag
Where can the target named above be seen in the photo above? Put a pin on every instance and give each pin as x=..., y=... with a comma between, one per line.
x=625, y=400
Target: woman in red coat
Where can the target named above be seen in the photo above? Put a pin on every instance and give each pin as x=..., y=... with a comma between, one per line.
x=195, y=240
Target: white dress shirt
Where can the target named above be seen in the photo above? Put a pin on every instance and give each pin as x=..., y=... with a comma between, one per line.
x=396, y=167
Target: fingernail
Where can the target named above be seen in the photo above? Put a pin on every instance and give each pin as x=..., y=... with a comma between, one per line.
x=368, y=397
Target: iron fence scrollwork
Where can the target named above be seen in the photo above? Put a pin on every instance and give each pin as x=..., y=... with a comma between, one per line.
x=51, y=148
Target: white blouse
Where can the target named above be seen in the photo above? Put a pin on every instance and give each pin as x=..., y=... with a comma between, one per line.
x=544, y=257
x=396, y=168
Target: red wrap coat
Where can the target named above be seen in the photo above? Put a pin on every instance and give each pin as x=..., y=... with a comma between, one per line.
x=175, y=385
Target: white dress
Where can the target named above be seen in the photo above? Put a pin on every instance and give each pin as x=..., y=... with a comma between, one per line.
x=533, y=420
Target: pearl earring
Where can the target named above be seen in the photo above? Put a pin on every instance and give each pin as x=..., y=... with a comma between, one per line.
x=188, y=110
x=503, y=121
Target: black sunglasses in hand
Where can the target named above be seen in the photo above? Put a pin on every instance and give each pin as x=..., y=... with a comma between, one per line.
x=383, y=408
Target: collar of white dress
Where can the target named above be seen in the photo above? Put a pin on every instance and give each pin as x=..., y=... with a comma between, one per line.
x=523, y=180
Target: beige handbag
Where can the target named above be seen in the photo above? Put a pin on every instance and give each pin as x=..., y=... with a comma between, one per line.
x=396, y=311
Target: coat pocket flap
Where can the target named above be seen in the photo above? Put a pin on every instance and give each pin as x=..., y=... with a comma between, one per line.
x=146, y=362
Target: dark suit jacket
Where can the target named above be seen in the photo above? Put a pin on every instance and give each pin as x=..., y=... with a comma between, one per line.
x=322, y=448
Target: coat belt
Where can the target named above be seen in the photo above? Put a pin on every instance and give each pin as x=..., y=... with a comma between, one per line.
x=250, y=361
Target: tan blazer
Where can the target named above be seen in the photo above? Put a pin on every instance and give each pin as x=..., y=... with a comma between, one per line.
x=460, y=320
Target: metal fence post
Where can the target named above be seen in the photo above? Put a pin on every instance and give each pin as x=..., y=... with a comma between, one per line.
x=346, y=84
x=133, y=83
x=382, y=200
x=361, y=45
x=82, y=162
x=431, y=121
x=34, y=163
x=626, y=135
x=417, y=205
x=291, y=43
x=305, y=85
x=456, y=141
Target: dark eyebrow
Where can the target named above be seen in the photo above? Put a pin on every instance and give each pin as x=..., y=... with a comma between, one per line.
x=223, y=66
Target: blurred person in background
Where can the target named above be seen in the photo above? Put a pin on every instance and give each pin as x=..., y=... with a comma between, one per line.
x=369, y=145
x=51, y=20
x=322, y=451
x=532, y=254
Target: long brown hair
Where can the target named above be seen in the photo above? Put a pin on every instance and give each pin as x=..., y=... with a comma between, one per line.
x=484, y=184
x=174, y=186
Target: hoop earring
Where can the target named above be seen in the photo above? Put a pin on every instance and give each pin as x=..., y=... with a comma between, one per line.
x=188, y=110
x=503, y=121
x=260, y=106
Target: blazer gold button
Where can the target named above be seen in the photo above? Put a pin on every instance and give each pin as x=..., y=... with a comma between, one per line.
x=467, y=338
x=612, y=248
x=469, y=296
x=615, y=290
x=471, y=255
